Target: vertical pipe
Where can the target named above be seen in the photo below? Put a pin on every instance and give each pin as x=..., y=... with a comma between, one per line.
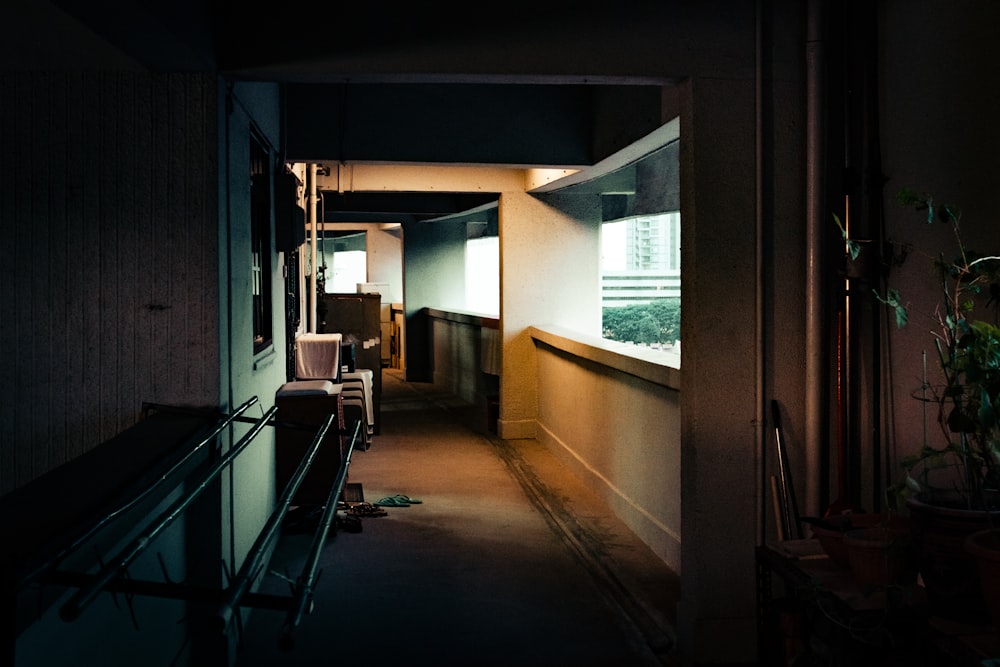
x=311, y=185
x=759, y=383
x=815, y=301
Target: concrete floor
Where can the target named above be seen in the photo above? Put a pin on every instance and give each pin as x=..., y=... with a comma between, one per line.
x=508, y=559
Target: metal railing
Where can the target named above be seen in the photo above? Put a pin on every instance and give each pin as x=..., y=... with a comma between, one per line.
x=112, y=577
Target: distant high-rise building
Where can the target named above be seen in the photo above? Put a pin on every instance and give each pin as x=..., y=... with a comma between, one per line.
x=651, y=266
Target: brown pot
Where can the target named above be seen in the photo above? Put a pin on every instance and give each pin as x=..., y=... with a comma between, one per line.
x=984, y=546
x=949, y=572
x=881, y=555
x=831, y=532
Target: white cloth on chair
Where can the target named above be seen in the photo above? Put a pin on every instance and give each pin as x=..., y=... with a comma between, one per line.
x=317, y=356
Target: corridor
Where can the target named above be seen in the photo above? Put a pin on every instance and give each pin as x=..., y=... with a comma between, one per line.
x=507, y=560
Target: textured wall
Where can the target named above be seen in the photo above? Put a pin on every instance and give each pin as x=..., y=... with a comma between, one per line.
x=108, y=258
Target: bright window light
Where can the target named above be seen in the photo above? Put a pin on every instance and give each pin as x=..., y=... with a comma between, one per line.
x=482, y=275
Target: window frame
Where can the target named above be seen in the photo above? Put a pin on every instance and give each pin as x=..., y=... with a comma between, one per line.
x=261, y=246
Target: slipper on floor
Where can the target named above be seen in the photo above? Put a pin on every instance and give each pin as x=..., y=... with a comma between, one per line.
x=391, y=501
x=406, y=499
x=366, y=509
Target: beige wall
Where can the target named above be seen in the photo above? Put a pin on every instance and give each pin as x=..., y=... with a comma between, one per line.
x=614, y=419
x=549, y=259
x=620, y=433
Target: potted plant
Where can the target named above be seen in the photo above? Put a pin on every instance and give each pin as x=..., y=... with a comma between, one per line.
x=984, y=545
x=951, y=487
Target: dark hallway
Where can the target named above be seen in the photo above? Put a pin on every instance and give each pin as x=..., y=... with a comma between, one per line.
x=507, y=560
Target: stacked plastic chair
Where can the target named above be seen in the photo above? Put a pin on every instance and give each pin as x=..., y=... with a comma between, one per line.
x=304, y=404
x=357, y=393
x=320, y=356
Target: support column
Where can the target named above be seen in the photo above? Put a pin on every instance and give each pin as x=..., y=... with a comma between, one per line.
x=550, y=274
x=718, y=407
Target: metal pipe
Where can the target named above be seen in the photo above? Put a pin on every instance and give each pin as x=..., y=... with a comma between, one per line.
x=304, y=586
x=113, y=514
x=83, y=597
x=255, y=557
x=761, y=355
x=311, y=185
x=815, y=301
x=170, y=590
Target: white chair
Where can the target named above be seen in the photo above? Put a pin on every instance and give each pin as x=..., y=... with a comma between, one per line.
x=357, y=392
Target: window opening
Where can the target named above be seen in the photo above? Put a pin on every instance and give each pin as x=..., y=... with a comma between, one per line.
x=482, y=275
x=343, y=259
x=260, y=243
x=641, y=281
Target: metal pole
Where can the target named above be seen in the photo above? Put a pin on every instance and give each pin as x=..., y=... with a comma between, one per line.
x=110, y=516
x=83, y=597
x=255, y=557
x=311, y=186
x=304, y=586
x=816, y=220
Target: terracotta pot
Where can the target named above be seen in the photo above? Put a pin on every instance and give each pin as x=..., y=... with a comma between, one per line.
x=949, y=572
x=984, y=546
x=881, y=555
x=831, y=533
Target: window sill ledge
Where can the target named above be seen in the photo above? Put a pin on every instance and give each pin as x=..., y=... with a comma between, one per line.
x=264, y=358
x=650, y=365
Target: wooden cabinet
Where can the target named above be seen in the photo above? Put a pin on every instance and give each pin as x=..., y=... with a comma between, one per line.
x=357, y=317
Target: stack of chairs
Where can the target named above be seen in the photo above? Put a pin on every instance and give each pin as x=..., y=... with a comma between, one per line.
x=304, y=403
x=321, y=356
x=357, y=393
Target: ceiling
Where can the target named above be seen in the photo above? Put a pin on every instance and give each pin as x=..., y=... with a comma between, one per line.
x=416, y=85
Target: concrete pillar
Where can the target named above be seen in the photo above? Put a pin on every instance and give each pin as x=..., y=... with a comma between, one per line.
x=550, y=274
x=718, y=401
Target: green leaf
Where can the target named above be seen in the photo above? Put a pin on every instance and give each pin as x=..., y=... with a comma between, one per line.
x=907, y=197
x=902, y=317
x=852, y=247
x=936, y=462
x=894, y=301
x=987, y=416
x=840, y=226
x=949, y=213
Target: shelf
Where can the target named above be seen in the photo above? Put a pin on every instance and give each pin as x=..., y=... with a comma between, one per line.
x=809, y=606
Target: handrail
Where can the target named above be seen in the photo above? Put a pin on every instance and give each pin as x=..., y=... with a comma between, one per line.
x=83, y=597
x=113, y=514
x=304, y=585
x=255, y=557
x=295, y=605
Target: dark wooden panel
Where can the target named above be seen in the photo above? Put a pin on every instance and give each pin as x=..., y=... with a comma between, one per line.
x=8, y=292
x=87, y=338
x=110, y=263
